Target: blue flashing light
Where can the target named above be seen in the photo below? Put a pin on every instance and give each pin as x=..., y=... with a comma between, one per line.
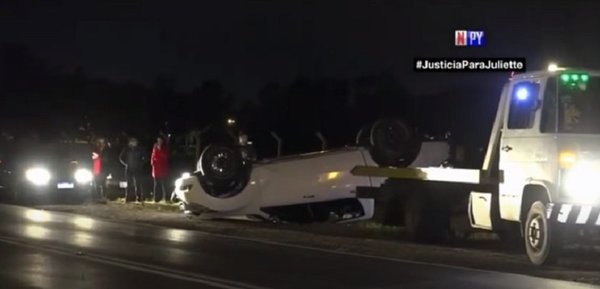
x=522, y=93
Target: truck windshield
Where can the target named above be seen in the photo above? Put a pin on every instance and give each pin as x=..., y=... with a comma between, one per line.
x=579, y=107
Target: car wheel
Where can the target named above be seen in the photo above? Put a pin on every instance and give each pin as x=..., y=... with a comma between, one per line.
x=541, y=242
x=223, y=172
x=393, y=143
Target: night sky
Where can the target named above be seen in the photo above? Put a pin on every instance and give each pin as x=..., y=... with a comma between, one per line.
x=246, y=44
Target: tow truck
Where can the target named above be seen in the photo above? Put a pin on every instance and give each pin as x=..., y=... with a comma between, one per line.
x=537, y=180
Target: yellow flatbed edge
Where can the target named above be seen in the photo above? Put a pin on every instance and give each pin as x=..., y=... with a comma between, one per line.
x=453, y=175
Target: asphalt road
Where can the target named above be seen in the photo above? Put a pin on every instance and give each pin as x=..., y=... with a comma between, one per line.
x=41, y=249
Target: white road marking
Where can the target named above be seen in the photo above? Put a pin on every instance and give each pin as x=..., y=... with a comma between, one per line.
x=136, y=266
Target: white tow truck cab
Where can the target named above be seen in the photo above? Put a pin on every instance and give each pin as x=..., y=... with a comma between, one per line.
x=540, y=169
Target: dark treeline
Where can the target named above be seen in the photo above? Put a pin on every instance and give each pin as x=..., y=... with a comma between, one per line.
x=35, y=97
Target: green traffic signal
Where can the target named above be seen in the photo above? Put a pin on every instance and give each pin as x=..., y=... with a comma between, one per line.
x=564, y=77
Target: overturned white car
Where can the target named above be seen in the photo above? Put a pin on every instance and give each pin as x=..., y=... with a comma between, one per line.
x=315, y=186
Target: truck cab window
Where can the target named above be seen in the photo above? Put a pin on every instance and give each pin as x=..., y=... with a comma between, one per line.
x=523, y=102
x=579, y=105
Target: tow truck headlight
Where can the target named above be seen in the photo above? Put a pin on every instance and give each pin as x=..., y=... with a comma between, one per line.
x=579, y=182
x=567, y=159
x=83, y=176
x=38, y=176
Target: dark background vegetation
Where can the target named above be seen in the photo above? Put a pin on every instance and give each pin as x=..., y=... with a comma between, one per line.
x=37, y=99
x=294, y=67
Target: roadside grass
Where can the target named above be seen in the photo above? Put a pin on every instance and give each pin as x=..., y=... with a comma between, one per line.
x=377, y=226
x=147, y=205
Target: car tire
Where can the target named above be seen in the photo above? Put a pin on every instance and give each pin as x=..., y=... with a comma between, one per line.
x=222, y=171
x=541, y=242
x=393, y=143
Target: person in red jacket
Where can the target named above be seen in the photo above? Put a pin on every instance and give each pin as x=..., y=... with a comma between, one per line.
x=99, y=167
x=159, y=161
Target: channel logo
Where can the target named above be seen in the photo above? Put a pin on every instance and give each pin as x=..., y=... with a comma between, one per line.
x=469, y=38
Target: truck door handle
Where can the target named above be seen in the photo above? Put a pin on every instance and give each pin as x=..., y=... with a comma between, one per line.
x=507, y=148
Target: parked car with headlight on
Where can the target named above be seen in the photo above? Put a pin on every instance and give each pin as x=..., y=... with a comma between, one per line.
x=48, y=172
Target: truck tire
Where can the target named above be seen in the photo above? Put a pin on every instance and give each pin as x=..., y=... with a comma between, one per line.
x=222, y=171
x=425, y=221
x=393, y=143
x=541, y=242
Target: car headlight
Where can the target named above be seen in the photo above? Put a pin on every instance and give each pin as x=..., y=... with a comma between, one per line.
x=180, y=179
x=38, y=176
x=579, y=182
x=83, y=176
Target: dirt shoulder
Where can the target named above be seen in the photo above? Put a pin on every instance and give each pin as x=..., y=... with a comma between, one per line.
x=363, y=238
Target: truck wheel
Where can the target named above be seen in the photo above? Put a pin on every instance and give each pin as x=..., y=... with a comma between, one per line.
x=540, y=241
x=425, y=221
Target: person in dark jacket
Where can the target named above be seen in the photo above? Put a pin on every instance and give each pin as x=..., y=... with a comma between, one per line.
x=133, y=158
x=160, y=168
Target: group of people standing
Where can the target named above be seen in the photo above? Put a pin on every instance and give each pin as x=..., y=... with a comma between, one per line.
x=134, y=159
